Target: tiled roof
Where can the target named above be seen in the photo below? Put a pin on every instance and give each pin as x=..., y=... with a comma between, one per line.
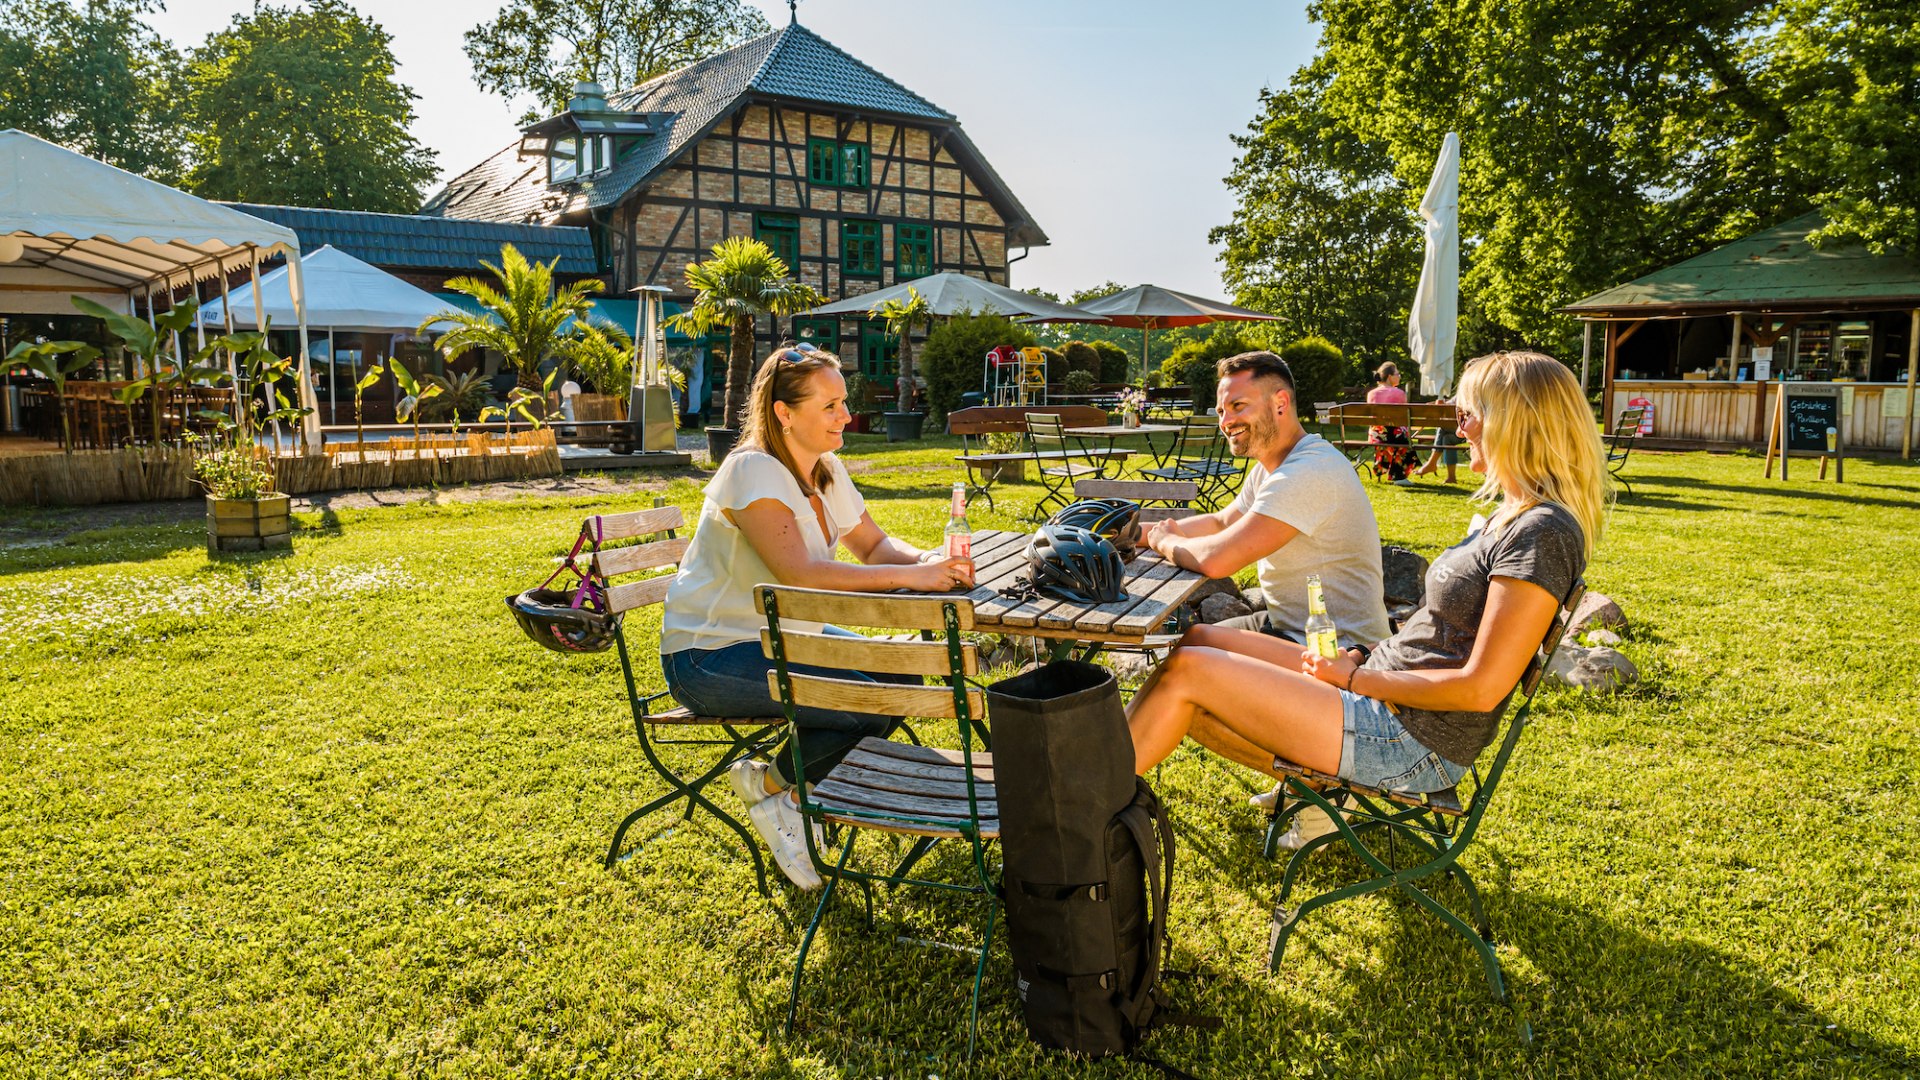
x=1776, y=269
x=791, y=62
x=436, y=243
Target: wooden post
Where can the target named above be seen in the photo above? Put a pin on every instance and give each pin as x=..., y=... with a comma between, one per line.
x=1913, y=362
x=1775, y=431
x=1586, y=361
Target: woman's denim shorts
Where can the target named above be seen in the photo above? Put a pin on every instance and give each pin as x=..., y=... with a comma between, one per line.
x=1377, y=751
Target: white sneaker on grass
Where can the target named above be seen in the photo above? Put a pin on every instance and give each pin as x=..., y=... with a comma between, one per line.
x=1266, y=801
x=749, y=779
x=1310, y=824
x=779, y=822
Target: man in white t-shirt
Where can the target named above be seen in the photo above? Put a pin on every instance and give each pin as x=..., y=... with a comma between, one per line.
x=1300, y=511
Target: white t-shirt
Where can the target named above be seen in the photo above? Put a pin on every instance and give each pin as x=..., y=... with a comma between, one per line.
x=1315, y=491
x=710, y=603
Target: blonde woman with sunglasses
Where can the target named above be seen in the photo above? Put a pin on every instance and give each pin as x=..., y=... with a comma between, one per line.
x=776, y=511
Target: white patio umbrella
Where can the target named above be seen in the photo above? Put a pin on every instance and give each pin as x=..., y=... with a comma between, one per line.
x=1434, y=325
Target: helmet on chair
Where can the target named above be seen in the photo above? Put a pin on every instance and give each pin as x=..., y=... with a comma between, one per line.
x=1116, y=519
x=549, y=617
x=1068, y=562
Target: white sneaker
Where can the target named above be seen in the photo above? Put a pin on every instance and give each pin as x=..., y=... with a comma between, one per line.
x=1308, y=825
x=1268, y=800
x=780, y=823
x=749, y=779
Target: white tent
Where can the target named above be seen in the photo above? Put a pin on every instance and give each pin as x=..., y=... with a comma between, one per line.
x=1433, y=326
x=72, y=225
x=343, y=293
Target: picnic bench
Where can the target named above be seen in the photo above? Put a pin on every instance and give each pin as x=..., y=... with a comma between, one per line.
x=983, y=467
x=1351, y=421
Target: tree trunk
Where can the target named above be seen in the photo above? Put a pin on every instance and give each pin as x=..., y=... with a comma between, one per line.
x=739, y=374
x=905, y=386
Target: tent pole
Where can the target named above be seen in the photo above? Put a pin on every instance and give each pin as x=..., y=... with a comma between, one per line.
x=331, y=382
x=310, y=423
x=1913, y=362
x=260, y=323
x=226, y=311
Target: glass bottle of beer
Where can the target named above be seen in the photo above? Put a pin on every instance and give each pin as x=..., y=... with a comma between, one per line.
x=1322, y=637
x=959, y=534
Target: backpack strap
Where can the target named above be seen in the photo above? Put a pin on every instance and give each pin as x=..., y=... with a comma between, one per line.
x=1139, y=1005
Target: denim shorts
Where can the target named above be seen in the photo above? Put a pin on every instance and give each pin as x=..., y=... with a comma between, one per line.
x=1377, y=751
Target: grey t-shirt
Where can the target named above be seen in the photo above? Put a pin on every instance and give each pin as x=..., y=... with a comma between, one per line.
x=1316, y=492
x=1545, y=546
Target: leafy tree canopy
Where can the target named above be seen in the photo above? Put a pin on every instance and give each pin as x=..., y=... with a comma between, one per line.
x=96, y=79
x=301, y=106
x=541, y=48
x=1601, y=139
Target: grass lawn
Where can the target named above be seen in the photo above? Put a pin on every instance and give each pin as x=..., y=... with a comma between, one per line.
x=332, y=815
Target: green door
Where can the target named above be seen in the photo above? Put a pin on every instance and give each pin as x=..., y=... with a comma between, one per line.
x=877, y=349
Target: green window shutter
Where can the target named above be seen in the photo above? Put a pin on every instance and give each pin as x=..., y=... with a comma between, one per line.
x=860, y=248
x=912, y=251
x=781, y=232
x=877, y=351
x=823, y=161
x=820, y=333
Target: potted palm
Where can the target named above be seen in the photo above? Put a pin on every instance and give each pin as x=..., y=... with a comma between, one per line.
x=742, y=281
x=524, y=319
x=44, y=359
x=903, y=317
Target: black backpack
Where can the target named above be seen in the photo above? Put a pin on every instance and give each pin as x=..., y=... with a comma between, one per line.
x=1087, y=860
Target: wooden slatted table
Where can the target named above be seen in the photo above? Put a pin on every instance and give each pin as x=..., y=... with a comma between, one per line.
x=1154, y=589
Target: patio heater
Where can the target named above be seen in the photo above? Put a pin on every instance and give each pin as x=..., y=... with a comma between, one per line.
x=650, y=403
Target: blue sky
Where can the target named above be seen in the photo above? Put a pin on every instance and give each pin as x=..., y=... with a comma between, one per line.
x=1111, y=121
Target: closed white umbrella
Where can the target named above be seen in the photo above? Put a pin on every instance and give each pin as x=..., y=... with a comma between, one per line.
x=1434, y=325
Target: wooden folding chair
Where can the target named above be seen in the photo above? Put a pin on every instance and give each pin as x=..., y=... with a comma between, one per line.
x=1432, y=829
x=917, y=791
x=1061, y=459
x=657, y=719
x=1200, y=454
x=1159, y=500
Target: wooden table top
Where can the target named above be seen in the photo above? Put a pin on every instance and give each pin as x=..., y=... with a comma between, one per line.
x=1108, y=431
x=1154, y=588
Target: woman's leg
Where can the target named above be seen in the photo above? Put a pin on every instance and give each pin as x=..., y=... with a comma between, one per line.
x=1249, y=706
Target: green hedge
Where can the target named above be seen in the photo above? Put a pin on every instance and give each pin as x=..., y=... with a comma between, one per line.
x=953, y=360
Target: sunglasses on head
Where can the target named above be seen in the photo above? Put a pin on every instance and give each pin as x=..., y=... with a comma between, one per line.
x=799, y=353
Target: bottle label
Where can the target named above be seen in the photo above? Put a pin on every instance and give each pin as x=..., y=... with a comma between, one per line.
x=959, y=546
x=1324, y=644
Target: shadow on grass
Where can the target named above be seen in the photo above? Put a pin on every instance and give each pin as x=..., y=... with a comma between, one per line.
x=1774, y=489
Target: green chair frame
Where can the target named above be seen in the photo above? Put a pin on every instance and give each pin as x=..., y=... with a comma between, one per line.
x=656, y=717
x=1434, y=829
x=1046, y=433
x=1200, y=454
x=917, y=791
x=1620, y=443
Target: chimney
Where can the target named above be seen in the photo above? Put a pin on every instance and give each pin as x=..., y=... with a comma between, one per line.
x=587, y=97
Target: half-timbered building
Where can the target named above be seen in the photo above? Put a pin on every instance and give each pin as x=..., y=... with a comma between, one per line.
x=854, y=180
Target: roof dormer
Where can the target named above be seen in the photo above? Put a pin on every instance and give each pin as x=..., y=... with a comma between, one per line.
x=589, y=137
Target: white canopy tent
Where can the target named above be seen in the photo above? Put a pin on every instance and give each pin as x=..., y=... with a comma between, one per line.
x=72, y=225
x=1433, y=327
x=342, y=293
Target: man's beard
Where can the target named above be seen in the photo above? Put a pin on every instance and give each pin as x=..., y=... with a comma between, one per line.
x=1259, y=433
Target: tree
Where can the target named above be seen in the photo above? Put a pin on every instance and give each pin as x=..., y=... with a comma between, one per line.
x=542, y=47
x=902, y=318
x=301, y=106
x=97, y=80
x=521, y=320
x=1601, y=139
x=742, y=281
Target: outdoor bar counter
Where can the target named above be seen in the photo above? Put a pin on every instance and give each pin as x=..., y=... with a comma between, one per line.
x=1722, y=413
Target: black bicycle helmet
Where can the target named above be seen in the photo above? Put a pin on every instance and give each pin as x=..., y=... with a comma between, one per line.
x=1116, y=519
x=1068, y=562
x=549, y=617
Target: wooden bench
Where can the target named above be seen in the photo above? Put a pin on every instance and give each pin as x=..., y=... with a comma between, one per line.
x=1352, y=421
x=983, y=468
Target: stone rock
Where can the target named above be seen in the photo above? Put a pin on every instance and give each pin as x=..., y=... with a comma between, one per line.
x=1596, y=611
x=1256, y=599
x=1597, y=670
x=1403, y=577
x=1129, y=667
x=1223, y=606
x=1214, y=587
x=1600, y=636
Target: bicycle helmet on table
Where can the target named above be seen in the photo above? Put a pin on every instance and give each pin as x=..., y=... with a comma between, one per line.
x=1067, y=562
x=1116, y=519
x=550, y=618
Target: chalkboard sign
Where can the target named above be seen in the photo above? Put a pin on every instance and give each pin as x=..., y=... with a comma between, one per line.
x=1811, y=410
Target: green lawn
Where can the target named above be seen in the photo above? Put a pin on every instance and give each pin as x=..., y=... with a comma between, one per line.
x=331, y=814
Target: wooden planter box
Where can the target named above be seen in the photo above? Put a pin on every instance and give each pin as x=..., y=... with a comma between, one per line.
x=261, y=524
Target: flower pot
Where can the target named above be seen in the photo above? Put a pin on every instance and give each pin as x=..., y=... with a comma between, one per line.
x=858, y=424
x=1129, y=419
x=260, y=524
x=1006, y=471
x=904, y=426
x=720, y=442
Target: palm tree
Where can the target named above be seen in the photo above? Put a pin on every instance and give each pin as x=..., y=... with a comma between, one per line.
x=903, y=317
x=741, y=282
x=521, y=319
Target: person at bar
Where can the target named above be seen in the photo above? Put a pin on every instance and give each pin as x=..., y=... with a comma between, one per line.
x=775, y=511
x=1414, y=713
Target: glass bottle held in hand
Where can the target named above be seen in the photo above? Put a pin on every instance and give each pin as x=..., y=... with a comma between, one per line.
x=1322, y=637
x=959, y=534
